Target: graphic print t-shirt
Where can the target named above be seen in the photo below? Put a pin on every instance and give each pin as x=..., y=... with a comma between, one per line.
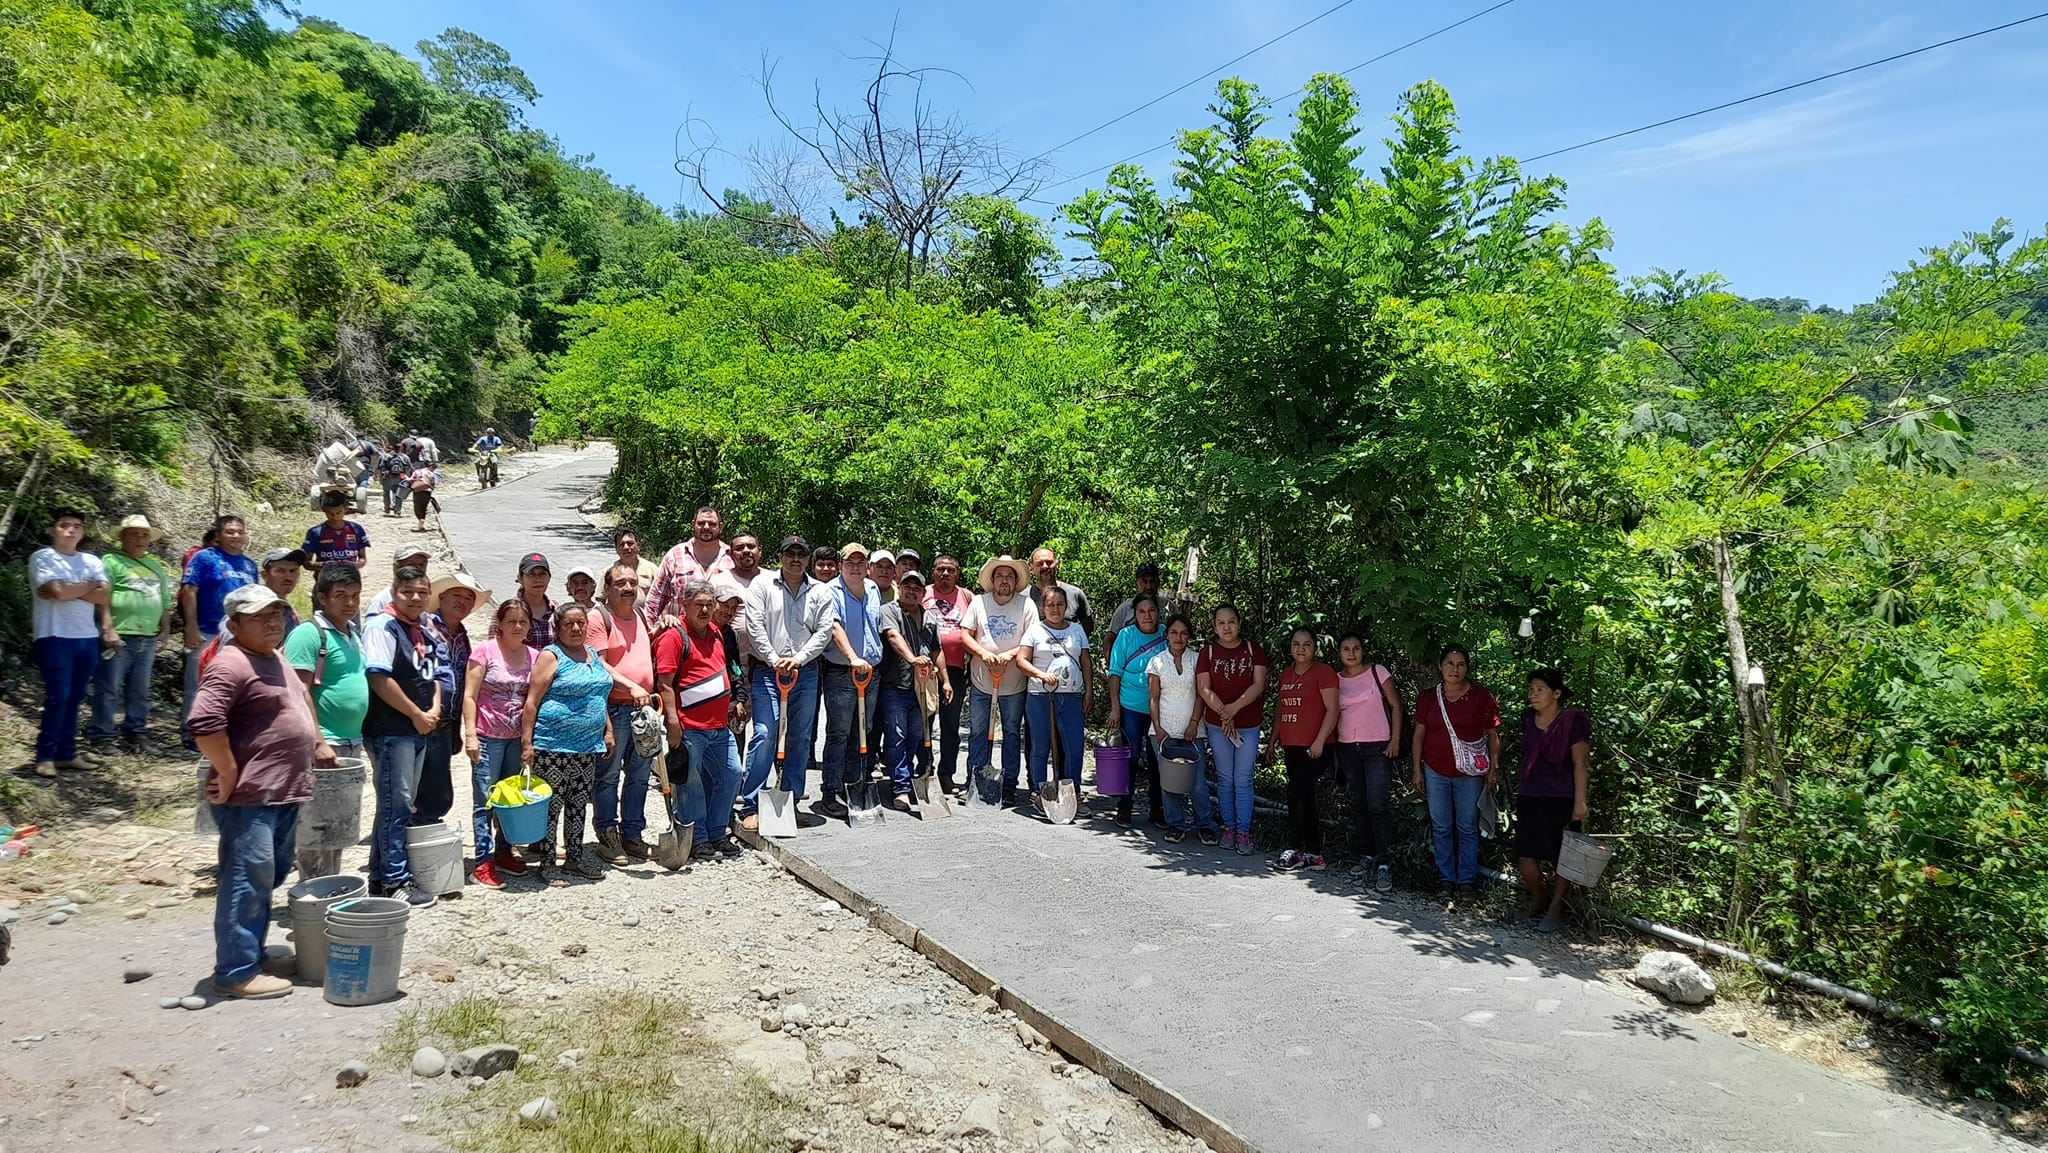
x=1058, y=651
x=1230, y=675
x=1298, y=710
x=999, y=628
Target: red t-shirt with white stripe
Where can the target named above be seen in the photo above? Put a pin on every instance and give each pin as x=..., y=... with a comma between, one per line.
x=703, y=687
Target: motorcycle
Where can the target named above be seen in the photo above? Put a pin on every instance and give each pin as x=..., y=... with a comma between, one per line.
x=487, y=469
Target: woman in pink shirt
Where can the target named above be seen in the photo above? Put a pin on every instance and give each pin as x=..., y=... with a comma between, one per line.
x=492, y=707
x=1369, y=716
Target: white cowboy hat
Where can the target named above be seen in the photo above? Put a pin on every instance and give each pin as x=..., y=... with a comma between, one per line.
x=137, y=520
x=988, y=569
x=460, y=580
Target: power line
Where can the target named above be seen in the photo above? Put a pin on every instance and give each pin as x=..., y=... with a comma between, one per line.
x=1297, y=92
x=1784, y=88
x=1343, y=4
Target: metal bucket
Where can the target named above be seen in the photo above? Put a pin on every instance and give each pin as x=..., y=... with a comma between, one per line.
x=1581, y=859
x=333, y=818
x=203, y=822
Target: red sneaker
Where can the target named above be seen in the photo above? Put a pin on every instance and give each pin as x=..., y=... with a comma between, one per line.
x=486, y=875
x=508, y=861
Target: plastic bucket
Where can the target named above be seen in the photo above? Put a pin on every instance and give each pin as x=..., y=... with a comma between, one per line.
x=202, y=817
x=309, y=902
x=1176, y=775
x=435, y=854
x=522, y=824
x=1112, y=772
x=333, y=819
x=365, y=945
x=1581, y=859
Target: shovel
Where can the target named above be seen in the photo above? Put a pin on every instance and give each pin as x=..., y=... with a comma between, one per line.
x=672, y=849
x=864, y=803
x=931, y=798
x=778, y=805
x=1057, y=796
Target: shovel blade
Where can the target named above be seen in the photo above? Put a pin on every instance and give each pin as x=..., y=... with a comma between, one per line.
x=864, y=804
x=778, y=813
x=1064, y=803
x=931, y=797
x=672, y=850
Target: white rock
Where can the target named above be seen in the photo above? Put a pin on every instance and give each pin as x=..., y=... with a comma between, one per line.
x=1032, y=1038
x=538, y=1113
x=427, y=1061
x=1674, y=976
x=981, y=1118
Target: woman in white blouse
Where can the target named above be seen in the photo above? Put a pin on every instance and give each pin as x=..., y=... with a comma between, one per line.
x=1176, y=729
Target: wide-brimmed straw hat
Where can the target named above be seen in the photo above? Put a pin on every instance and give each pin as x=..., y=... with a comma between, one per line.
x=137, y=520
x=989, y=567
x=460, y=580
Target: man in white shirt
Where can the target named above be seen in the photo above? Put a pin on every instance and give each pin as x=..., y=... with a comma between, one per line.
x=855, y=650
x=789, y=623
x=991, y=631
x=71, y=614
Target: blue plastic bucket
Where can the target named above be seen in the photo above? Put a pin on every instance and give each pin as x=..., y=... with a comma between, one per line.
x=525, y=824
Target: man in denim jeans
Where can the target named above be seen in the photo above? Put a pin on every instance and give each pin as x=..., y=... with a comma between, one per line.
x=623, y=635
x=789, y=622
x=250, y=720
x=695, y=673
x=144, y=594
x=403, y=659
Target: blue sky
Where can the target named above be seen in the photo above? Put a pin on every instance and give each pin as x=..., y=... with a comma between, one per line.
x=1816, y=194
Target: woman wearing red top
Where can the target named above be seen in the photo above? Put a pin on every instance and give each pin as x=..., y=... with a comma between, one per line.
x=1230, y=681
x=1457, y=735
x=1304, y=716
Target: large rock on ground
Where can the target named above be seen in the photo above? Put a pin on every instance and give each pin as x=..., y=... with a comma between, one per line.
x=781, y=1061
x=1674, y=977
x=484, y=1061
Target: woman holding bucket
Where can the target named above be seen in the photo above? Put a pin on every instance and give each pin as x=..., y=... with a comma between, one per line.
x=1130, y=698
x=493, y=710
x=1550, y=791
x=566, y=729
x=1230, y=678
x=1457, y=739
x=1177, y=729
x=1304, y=719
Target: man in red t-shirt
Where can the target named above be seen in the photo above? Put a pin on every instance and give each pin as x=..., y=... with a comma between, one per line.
x=948, y=602
x=694, y=673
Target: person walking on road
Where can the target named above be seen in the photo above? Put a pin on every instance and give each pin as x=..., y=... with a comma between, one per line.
x=1230, y=677
x=394, y=470
x=991, y=631
x=1369, y=718
x=566, y=733
x=703, y=556
x=1304, y=720
x=846, y=680
x=251, y=724
x=621, y=633
x=913, y=652
x=422, y=481
x=72, y=623
x=141, y=596
x=499, y=672
x=1061, y=689
x=1550, y=792
x=1177, y=730
x=789, y=622
x=948, y=602
x=326, y=653
x=1130, y=699
x=404, y=661
x=1457, y=739
x=694, y=675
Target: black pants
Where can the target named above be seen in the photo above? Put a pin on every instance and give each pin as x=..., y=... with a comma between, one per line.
x=949, y=725
x=436, y=792
x=1367, y=783
x=1137, y=734
x=1304, y=774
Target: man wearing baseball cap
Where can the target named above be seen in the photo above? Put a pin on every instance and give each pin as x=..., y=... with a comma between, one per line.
x=882, y=571
x=408, y=554
x=1148, y=582
x=789, y=620
x=281, y=568
x=909, y=560
x=250, y=721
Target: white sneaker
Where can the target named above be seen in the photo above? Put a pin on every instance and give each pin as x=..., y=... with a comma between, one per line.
x=1385, y=881
x=1288, y=860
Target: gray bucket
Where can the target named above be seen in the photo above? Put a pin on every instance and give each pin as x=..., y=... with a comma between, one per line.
x=202, y=817
x=308, y=903
x=365, y=945
x=333, y=819
x=434, y=853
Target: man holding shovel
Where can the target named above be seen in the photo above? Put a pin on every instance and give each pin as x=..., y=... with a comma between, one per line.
x=991, y=632
x=789, y=623
x=693, y=673
x=848, y=678
x=912, y=661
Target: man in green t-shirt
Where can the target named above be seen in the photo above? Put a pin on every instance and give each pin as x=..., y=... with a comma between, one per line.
x=143, y=592
x=327, y=653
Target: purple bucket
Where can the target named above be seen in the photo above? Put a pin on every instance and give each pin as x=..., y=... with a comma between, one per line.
x=1113, y=772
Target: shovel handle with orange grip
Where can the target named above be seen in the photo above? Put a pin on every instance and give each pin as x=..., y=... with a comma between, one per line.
x=861, y=677
x=996, y=672
x=785, y=680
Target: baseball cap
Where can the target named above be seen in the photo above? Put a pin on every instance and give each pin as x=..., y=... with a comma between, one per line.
x=409, y=551
x=534, y=562
x=792, y=544
x=1149, y=569
x=904, y=554
x=582, y=570
x=249, y=599
x=881, y=555
x=910, y=577
x=294, y=555
x=851, y=547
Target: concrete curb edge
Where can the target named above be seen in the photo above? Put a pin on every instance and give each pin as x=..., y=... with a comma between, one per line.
x=1184, y=1114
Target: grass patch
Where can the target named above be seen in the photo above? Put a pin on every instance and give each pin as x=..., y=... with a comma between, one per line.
x=648, y=1081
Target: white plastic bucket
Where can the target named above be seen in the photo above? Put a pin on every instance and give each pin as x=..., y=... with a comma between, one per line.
x=309, y=902
x=365, y=946
x=1581, y=859
x=435, y=854
x=333, y=818
x=203, y=822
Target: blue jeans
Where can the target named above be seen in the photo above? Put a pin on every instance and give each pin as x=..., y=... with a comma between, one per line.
x=394, y=495
x=395, y=764
x=845, y=764
x=705, y=800
x=256, y=844
x=609, y=808
x=1047, y=711
x=67, y=664
x=123, y=684
x=497, y=758
x=1136, y=727
x=803, y=729
x=980, y=754
x=1454, y=807
x=903, y=737
x=1177, y=806
x=1234, y=765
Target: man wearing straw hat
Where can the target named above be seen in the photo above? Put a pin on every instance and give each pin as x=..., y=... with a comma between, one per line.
x=991, y=631
x=143, y=594
x=250, y=721
x=450, y=600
